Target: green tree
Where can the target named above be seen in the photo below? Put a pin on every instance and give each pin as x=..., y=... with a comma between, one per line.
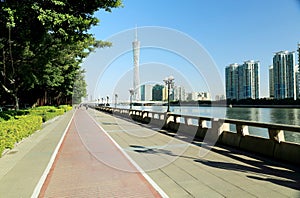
x=42, y=45
x=79, y=90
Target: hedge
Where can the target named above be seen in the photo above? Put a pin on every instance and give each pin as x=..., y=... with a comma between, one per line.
x=49, y=112
x=14, y=130
x=16, y=125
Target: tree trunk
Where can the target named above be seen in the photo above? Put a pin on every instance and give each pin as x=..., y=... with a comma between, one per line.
x=17, y=102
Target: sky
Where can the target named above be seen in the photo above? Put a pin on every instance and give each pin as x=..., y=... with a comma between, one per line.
x=192, y=40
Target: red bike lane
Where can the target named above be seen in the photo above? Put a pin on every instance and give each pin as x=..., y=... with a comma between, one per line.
x=89, y=164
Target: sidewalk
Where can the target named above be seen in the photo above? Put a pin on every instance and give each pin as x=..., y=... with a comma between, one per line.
x=89, y=164
x=176, y=167
x=22, y=167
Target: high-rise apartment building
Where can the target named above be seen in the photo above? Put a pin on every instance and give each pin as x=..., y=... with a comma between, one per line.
x=157, y=93
x=271, y=82
x=298, y=74
x=179, y=93
x=242, y=81
x=165, y=94
x=248, y=80
x=231, y=79
x=146, y=92
x=284, y=75
x=299, y=54
x=297, y=79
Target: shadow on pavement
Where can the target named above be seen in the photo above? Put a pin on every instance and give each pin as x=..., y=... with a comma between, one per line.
x=266, y=170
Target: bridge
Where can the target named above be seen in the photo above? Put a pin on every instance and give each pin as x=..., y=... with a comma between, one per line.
x=112, y=152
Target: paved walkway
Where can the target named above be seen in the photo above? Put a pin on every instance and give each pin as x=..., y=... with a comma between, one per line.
x=175, y=165
x=90, y=164
x=22, y=168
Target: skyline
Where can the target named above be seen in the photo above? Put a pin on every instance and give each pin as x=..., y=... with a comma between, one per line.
x=230, y=31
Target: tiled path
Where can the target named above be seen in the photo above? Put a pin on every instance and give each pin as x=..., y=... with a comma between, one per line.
x=90, y=164
x=80, y=168
x=175, y=164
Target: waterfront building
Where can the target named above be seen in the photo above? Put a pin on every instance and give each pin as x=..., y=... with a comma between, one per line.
x=298, y=73
x=220, y=97
x=204, y=96
x=242, y=81
x=271, y=82
x=146, y=92
x=165, y=94
x=298, y=54
x=284, y=75
x=195, y=96
x=179, y=93
x=157, y=92
x=231, y=81
x=297, y=78
x=248, y=80
x=188, y=97
x=136, y=73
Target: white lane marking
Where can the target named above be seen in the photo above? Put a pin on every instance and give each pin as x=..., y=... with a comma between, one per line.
x=145, y=175
x=42, y=180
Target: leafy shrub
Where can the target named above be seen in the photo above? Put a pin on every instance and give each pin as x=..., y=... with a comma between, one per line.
x=65, y=107
x=47, y=112
x=16, y=125
x=7, y=115
x=4, y=116
x=14, y=130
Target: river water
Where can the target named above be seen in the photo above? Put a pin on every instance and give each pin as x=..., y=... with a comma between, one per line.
x=290, y=116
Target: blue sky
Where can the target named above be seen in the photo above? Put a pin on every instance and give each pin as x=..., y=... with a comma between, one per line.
x=230, y=31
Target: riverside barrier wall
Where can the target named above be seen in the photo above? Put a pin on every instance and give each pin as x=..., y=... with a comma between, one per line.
x=273, y=146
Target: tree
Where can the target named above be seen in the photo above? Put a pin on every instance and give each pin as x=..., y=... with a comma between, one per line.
x=43, y=44
x=79, y=90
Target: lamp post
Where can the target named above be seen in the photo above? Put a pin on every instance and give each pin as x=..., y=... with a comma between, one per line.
x=131, y=91
x=107, y=98
x=116, y=97
x=169, y=81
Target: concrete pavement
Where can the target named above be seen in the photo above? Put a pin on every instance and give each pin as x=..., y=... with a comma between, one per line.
x=175, y=165
x=22, y=167
x=89, y=164
x=170, y=164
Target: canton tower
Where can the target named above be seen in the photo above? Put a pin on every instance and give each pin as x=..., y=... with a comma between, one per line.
x=136, y=62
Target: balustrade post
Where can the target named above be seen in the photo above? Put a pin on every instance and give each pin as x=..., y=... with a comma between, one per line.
x=145, y=114
x=276, y=135
x=186, y=121
x=169, y=118
x=162, y=116
x=202, y=123
x=219, y=126
x=242, y=130
x=213, y=134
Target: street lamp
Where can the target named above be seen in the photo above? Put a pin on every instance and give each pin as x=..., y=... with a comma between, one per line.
x=131, y=91
x=107, y=98
x=116, y=97
x=169, y=81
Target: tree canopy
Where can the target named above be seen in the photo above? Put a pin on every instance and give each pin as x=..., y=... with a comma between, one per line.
x=42, y=44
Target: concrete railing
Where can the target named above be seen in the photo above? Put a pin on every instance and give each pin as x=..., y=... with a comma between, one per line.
x=273, y=146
